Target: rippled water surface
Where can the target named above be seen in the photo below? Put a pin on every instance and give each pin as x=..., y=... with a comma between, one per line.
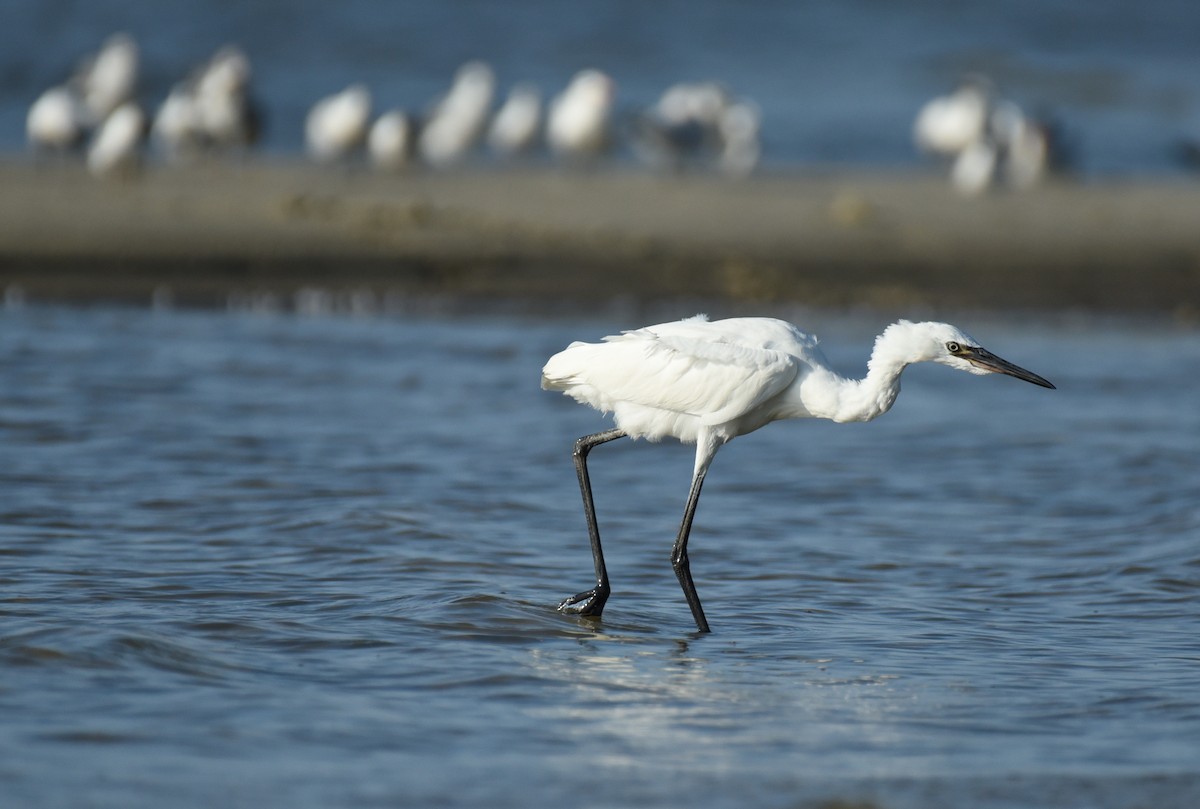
x=253, y=560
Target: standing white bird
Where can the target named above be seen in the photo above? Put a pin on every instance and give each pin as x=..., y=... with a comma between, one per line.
x=110, y=78
x=741, y=145
x=948, y=124
x=457, y=121
x=213, y=110
x=115, y=151
x=974, y=169
x=578, y=119
x=708, y=382
x=337, y=124
x=57, y=121
x=177, y=127
x=390, y=141
x=514, y=129
x=227, y=111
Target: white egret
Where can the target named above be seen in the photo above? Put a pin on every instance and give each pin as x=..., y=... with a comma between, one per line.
x=708, y=382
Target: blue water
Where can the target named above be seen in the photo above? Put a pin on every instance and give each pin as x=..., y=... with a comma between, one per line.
x=260, y=559
x=838, y=82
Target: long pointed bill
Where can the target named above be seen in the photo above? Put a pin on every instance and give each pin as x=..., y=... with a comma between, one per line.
x=982, y=358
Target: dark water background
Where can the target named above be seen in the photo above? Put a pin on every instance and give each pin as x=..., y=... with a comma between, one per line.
x=256, y=559
x=838, y=82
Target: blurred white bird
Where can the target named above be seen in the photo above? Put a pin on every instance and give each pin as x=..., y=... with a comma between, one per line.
x=109, y=79
x=515, y=127
x=1030, y=150
x=948, y=124
x=741, y=140
x=988, y=139
x=682, y=126
x=177, y=129
x=211, y=111
x=57, y=121
x=974, y=168
x=115, y=150
x=390, y=141
x=337, y=124
x=578, y=119
x=228, y=113
x=699, y=123
x=455, y=124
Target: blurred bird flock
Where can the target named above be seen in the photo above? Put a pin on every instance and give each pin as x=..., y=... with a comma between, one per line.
x=214, y=112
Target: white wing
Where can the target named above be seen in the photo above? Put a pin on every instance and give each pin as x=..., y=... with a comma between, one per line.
x=687, y=367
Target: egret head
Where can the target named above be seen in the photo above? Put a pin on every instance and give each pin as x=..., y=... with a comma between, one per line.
x=904, y=342
x=952, y=346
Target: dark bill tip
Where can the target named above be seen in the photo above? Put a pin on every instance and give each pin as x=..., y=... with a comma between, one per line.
x=982, y=358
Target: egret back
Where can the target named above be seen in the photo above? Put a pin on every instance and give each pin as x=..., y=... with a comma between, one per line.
x=678, y=379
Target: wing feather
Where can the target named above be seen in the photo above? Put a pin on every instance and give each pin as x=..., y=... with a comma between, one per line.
x=682, y=369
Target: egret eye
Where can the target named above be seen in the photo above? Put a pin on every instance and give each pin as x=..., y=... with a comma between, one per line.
x=953, y=347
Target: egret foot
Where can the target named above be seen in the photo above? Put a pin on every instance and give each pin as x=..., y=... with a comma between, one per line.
x=589, y=602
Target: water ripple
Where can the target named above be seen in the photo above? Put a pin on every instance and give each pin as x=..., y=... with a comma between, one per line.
x=325, y=550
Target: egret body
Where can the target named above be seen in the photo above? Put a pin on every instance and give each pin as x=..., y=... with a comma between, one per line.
x=707, y=382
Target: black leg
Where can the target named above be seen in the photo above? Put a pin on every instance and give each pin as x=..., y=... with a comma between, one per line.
x=679, y=555
x=591, y=602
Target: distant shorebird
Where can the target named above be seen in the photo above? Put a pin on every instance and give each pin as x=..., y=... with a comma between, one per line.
x=62, y=117
x=115, y=151
x=741, y=138
x=988, y=140
x=228, y=113
x=390, y=141
x=949, y=124
x=708, y=382
x=579, y=118
x=109, y=79
x=682, y=126
x=177, y=129
x=57, y=122
x=699, y=123
x=456, y=123
x=337, y=125
x=516, y=125
x=212, y=111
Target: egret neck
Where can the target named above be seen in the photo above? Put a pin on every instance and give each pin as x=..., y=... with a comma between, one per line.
x=900, y=345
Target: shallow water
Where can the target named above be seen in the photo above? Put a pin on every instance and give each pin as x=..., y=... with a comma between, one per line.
x=264, y=559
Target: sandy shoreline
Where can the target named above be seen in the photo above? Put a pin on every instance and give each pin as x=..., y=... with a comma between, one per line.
x=816, y=238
